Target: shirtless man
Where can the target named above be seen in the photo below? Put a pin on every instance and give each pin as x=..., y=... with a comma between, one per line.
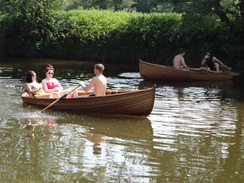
x=179, y=61
x=99, y=82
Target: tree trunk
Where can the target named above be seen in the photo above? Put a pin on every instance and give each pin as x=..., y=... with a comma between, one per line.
x=220, y=13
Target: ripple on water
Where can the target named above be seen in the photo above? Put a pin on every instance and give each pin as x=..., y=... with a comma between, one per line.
x=193, y=112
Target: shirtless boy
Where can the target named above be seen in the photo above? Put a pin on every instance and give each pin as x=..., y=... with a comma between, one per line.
x=98, y=83
x=179, y=61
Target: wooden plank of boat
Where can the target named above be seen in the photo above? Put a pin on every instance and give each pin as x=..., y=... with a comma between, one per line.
x=151, y=71
x=135, y=102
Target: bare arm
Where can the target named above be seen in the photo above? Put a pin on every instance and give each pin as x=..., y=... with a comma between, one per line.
x=218, y=61
x=184, y=64
x=203, y=61
x=29, y=90
x=44, y=85
x=88, y=87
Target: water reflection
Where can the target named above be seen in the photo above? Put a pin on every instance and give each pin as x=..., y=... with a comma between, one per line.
x=195, y=90
x=196, y=121
x=207, y=84
x=100, y=127
x=95, y=138
x=33, y=123
x=95, y=143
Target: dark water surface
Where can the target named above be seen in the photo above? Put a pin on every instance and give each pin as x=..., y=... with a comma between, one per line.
x=195, y=132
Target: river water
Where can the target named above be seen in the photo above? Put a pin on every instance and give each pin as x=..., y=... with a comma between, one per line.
x=195, y=132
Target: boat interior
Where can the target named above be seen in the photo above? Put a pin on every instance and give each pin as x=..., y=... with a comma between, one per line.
x=83, y=93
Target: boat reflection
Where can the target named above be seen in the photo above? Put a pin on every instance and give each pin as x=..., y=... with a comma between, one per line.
x=97, y=129
x=212, y=84
x=95, y=138
x=32, y=123
x=222, y=90
x=121, y=126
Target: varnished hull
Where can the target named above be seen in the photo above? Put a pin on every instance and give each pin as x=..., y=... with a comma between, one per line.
x=138, y=102
x=151, y=71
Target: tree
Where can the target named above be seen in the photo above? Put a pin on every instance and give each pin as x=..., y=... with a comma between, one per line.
x=26, y=22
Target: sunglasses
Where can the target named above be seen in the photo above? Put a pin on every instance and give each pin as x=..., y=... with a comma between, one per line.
x=50, y=73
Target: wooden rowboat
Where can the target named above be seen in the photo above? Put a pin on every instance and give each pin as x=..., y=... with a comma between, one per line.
x=135, y=102
x=151, y=71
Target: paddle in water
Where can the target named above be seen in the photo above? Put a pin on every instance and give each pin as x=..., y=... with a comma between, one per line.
x=60, y=98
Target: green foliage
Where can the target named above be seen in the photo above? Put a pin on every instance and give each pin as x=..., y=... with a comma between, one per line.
x=24, y=25
x=36, y=28
x=119, y=35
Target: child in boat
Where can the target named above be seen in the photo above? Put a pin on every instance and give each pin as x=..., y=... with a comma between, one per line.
x=52, y=85
x=33, y=87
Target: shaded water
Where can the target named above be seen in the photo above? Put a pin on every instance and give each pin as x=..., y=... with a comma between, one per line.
x=194, y=133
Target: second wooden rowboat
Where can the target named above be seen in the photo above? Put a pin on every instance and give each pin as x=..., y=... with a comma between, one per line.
x=135, y=102
x=151, y=71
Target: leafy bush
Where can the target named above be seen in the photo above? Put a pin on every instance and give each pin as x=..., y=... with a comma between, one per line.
x=112, y=36
x=120, y=36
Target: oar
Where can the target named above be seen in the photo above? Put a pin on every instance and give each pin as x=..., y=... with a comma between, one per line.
x=60, y=98
x=194, y=69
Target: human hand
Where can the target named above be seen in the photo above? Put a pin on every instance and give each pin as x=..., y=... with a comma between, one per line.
x=81, y=83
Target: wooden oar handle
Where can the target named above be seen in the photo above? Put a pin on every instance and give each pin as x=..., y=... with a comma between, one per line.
x=62, y=97
x=73, y=89
x=194, y=69
x=65, y=95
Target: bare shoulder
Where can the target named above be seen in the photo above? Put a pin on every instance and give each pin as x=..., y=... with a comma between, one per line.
x=102, y=76
x=179, y=57
x=176, y=57
x=214, y=58
x=94, y=79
